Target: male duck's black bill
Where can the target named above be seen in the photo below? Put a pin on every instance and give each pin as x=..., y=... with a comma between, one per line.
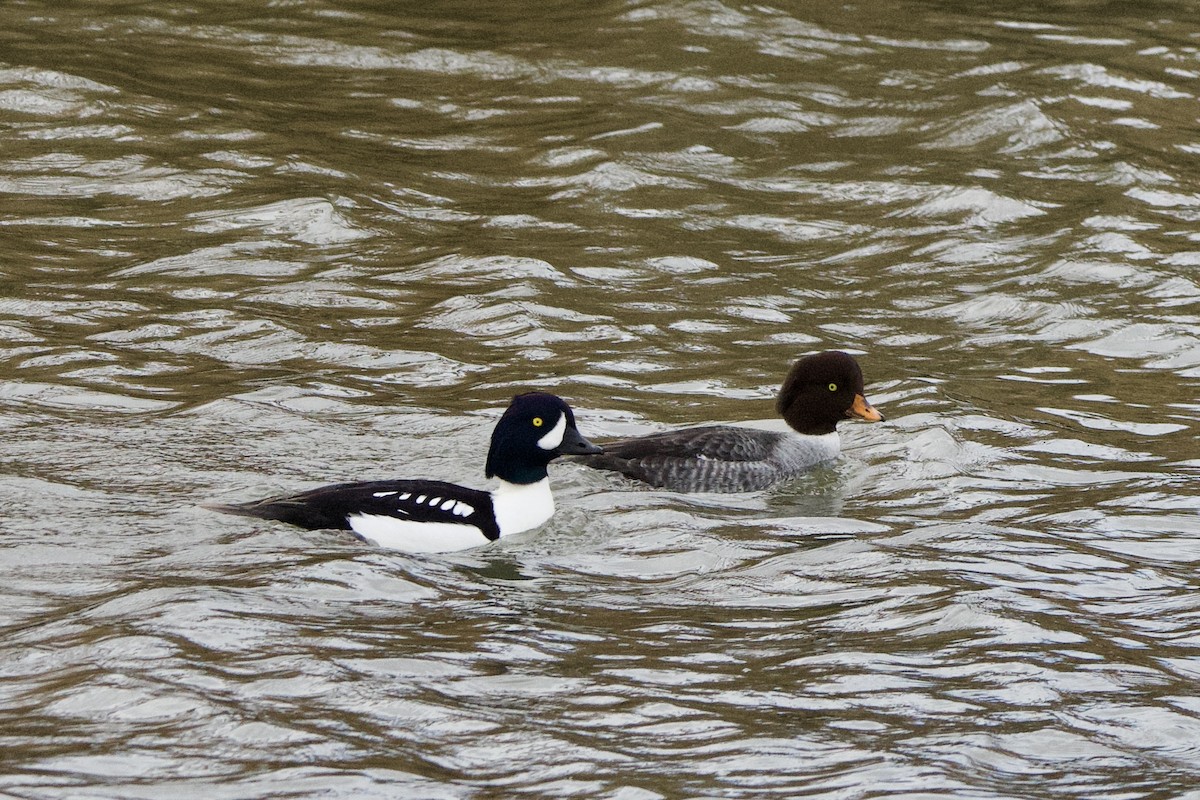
x=573, y=444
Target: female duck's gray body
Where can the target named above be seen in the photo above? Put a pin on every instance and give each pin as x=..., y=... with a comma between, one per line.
x=820, y=390
x=716, y=458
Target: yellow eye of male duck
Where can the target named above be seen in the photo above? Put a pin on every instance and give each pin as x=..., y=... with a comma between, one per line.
x=833, y=387
x=537, y=422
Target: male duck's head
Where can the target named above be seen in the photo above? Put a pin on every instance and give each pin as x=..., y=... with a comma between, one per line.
x=536, y=428
x=822, y=389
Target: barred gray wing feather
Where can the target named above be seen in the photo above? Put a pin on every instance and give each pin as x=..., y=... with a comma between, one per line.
x=715, y=458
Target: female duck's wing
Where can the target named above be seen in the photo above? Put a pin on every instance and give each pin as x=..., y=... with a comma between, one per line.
x=713, y=458
x=716, y=442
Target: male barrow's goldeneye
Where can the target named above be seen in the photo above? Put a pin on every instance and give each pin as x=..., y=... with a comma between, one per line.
x=420, y=516
x=819, y=391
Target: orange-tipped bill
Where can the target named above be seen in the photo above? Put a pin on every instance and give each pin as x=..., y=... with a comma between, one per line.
x=864, y=410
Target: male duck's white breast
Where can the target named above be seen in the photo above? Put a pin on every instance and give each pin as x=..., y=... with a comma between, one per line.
x=521, y=507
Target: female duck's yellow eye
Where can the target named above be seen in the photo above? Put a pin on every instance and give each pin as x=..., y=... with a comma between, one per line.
x=537, y=422
x=833, y=387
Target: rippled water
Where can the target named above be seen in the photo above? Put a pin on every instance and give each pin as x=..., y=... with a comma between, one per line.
x=261, y=246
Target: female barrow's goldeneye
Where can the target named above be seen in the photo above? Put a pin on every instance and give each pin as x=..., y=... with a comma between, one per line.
x=819, y=391
x=420, y=516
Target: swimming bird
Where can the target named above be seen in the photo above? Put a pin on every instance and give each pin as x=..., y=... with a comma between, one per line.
x=820, y=390
x=423, y=516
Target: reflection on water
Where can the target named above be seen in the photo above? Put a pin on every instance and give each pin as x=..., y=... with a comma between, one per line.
x=261, y=246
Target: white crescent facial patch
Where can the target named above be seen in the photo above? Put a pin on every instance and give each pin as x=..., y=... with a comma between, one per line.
x=554, y=436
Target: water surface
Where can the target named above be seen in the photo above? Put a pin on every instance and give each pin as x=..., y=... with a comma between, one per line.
x=262, y=246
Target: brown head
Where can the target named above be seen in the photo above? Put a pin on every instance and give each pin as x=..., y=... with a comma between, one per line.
x=822, y=389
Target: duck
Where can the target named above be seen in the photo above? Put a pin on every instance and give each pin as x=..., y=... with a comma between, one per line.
x=820, y=391
x=428, y=516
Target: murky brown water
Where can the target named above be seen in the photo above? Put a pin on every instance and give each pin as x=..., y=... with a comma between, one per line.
x=257, y=246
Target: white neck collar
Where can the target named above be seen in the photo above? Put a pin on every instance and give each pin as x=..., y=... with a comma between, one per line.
x=522, y=506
